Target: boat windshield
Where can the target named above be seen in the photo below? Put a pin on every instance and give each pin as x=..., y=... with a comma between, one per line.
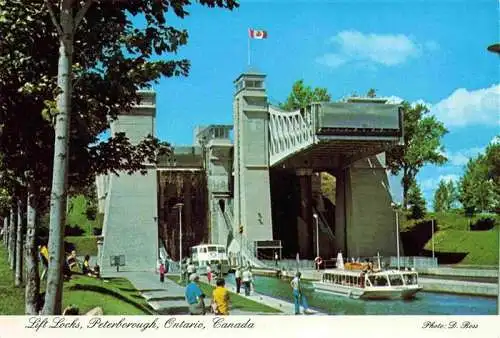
x=395, y=280
x=410, y=279
x=379, y=280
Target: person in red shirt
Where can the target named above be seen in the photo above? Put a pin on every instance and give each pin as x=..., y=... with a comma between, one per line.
x=162, y=273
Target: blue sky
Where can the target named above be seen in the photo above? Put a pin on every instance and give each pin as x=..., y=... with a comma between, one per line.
x=430, y=51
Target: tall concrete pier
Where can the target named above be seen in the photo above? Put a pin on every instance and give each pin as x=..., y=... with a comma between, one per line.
x=130, y=213
x=252, y=194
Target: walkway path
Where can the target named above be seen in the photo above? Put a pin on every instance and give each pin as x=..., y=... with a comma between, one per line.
x=168, y=299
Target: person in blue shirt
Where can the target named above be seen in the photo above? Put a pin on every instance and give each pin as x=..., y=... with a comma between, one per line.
x=194, y=296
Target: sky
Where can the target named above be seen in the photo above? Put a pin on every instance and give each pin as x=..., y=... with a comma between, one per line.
x=420, y=51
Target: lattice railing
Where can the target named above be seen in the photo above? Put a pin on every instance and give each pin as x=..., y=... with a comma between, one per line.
x=289, y=133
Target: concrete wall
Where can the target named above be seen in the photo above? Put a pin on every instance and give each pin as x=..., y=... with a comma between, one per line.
x=371, y=225
x=102, y=184
x=130, y=219
x=130, y=226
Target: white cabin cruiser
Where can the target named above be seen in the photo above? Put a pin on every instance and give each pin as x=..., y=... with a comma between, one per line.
x=361, y=280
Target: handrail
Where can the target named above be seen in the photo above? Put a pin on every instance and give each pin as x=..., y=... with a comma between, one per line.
x=323, y=225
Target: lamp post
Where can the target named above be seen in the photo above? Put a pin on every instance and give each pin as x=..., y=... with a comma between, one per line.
x=432, y=238
x=495, y=48
x=315, y=215
x=394, y=206
x=179, y=206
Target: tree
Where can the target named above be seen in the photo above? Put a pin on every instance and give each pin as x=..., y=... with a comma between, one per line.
x=445, y=196
x=371, y=93
x=479, y=186
x=416, y=202
x=112, y=63
x=301, y=96
x=422, y=145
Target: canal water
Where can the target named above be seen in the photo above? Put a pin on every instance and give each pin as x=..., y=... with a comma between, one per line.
x=425, y=303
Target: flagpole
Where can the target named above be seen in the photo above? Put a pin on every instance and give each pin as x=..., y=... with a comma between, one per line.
x=248, y=39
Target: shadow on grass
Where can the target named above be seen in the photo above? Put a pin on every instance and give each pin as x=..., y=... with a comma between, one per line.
x=140, y=290
x=103, y=290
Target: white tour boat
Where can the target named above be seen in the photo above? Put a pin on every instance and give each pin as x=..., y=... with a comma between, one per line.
x=361, y=280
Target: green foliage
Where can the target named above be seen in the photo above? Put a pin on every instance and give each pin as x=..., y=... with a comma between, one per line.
x=422, y=145
x=112, y=61
x=328, y=187
x=78, y=215
x=416, y=202
x=302, y=95
x=445, y=196
x=480, y=184
x=84, y=245
x=371, y=93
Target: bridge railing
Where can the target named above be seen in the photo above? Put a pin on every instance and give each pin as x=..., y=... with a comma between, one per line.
x=289, y=132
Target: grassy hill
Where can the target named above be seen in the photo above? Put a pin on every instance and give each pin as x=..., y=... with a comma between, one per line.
x=455, y=235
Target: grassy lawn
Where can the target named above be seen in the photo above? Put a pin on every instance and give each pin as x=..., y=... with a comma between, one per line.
x=11, y=298
x=116, y=296
x=237, y=301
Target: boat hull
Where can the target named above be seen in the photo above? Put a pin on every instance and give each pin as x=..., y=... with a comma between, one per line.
x=369, y=292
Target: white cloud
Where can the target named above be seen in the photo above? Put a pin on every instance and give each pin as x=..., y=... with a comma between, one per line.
x=383, y=49
x=430, y=184
x=461, y=157
x=463, y=107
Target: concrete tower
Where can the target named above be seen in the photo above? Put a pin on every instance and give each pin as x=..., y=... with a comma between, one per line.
x=252, y=195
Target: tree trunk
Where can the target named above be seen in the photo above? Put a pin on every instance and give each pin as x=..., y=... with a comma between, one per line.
x=18, y=279
x=32, y=275
x=6, y=232
x=53, y=295
x=12, y=234
x=406, y=187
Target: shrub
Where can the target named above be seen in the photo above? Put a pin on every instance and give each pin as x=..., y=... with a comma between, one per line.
x=483, y=224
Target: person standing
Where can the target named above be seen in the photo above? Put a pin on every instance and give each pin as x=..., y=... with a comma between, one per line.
x=194, y=296
x=162, y=274
x=220, y=298
x=209, y=273
x=219, y=270
x=237, y=279
x=44, y=258
x=276, y=258
x=298, y=296
x=246, y=278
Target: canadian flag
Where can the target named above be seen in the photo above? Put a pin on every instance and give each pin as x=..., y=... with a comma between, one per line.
x=257, y=34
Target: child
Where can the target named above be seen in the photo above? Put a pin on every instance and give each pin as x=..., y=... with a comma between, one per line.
x=162, y=273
